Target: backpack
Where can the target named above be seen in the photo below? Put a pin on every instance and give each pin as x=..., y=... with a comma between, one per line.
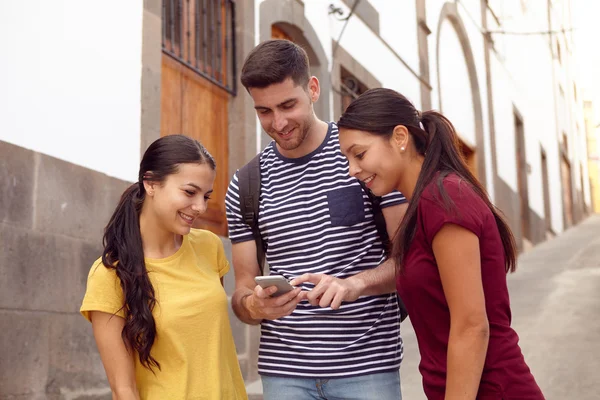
x=249, y=189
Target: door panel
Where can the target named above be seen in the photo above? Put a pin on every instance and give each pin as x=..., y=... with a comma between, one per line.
x=278, y=33
x=567, y=187
x=170, y=97
x=470, y=157
x=204, y=117
x=546, y=187
x=193, y=106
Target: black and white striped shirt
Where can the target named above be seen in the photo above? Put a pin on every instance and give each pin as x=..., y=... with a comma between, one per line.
x=315, y=218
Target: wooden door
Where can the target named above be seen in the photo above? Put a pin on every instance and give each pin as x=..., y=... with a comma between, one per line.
x=196, y=83
x=522, y=173
x=584, y=209
x=546, y=187
x=469, y=156
x=567, y=189
x=278, y=33
x=193, y=106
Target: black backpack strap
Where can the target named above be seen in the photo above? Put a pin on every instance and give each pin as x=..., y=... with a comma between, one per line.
x=379, y=219
x=383, y=235
x=249, y=184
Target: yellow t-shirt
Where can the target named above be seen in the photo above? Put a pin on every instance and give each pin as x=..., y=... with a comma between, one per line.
x=194, y=344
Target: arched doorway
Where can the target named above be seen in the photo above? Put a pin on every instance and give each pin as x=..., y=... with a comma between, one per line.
x=278, y=33
x=458, y=88
x=284, y=19
x=285, y=30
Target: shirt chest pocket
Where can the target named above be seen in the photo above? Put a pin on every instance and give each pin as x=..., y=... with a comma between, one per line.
x=346, y=206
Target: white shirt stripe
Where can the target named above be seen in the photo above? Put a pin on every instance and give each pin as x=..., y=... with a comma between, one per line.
x=314, y=217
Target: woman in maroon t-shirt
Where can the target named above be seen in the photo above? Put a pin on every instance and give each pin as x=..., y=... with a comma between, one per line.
x=453, y=249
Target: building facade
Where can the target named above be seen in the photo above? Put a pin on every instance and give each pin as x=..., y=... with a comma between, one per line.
x=592, y=129
x=86, y=87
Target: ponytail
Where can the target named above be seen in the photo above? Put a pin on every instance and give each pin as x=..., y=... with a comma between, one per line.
x=123, y=252
x=437, y=141
x=378, y=111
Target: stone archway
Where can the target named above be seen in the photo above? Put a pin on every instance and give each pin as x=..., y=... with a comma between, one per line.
x=449, y=14
x=288, y=15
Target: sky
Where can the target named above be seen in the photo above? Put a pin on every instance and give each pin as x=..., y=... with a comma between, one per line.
x=587, y=45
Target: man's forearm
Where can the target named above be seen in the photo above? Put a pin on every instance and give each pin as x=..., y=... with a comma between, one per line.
x=376, y=281
x=239, y=307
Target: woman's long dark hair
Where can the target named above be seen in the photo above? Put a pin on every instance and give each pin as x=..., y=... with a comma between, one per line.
x=379, y=111
x=122, y=241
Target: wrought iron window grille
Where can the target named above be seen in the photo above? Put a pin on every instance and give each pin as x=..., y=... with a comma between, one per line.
x=200, y=34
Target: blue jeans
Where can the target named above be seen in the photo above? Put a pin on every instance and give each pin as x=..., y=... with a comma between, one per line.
x=382, y=386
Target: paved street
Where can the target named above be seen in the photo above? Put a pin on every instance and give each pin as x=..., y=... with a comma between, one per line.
x=555, y=298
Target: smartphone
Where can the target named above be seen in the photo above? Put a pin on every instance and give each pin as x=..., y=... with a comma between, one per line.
x=283, y=285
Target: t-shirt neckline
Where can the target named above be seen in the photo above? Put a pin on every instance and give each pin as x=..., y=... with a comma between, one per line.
x=177, y=254
x=306, y=158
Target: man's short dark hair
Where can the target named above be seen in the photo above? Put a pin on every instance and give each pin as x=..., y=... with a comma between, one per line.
x=273, y=61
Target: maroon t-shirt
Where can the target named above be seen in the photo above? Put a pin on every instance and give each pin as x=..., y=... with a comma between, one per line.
x=505, y=374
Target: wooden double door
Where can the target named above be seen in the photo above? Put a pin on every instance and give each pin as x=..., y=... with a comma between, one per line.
x=193, y=106
x=197, y=82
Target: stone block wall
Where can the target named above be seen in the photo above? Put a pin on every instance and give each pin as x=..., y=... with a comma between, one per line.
x=52, y=218
x=51, y=222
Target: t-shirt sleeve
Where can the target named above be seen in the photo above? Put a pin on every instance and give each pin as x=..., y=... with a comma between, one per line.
x=392, y=199
x=239, y=231
x=103, y=292
x=465, y=208
x=222, y=262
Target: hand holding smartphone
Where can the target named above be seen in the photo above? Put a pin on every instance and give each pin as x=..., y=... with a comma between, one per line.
x=282, y=284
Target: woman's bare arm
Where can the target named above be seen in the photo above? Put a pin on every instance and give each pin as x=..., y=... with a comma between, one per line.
x=456, y=251
x=117, y=360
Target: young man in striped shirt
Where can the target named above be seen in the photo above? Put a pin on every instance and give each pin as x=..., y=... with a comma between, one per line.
x=337, y=335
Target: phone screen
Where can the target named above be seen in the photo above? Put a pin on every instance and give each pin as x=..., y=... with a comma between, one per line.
x=282, y=284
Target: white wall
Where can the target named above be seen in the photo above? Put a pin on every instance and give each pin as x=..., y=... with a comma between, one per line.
x=368, y=49
x=470, y=13
x=577, y=109
x=372, y=52
x=455, y=85
x=70, y=81
x=524, y=77
x=433, y=9
x=398, y=27
x=452, y=66
x=503, y=92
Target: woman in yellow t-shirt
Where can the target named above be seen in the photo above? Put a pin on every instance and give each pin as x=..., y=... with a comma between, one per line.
x=155, y=298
